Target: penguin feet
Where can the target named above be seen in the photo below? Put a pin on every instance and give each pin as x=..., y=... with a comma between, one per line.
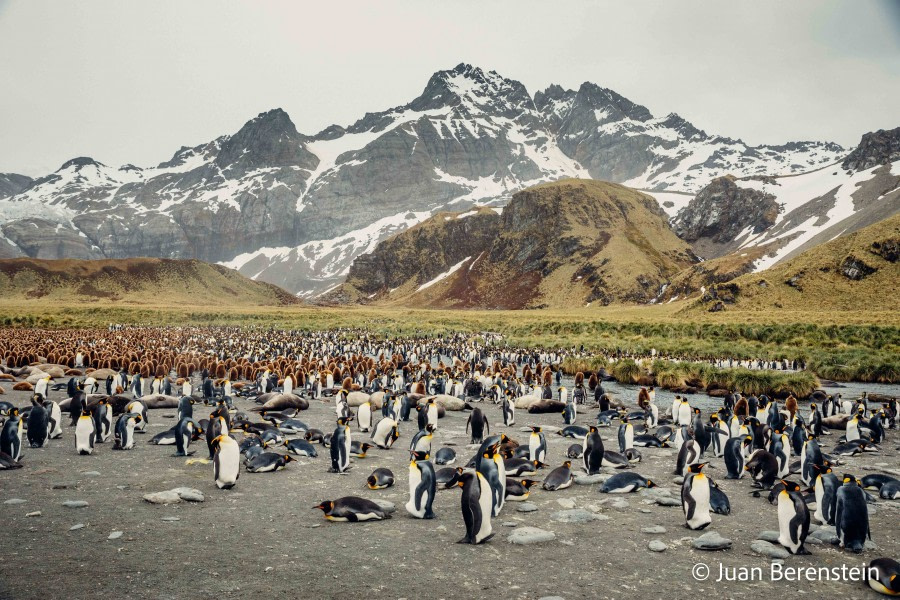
x=802, y=551
x=429, y=515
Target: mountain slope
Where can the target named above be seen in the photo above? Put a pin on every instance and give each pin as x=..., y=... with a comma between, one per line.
x=562, y=244
x=146, y=281
x=296, y=209
x=860, y=267
x=791, y=214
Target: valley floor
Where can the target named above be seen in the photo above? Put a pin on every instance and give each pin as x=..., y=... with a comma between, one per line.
x=264, y=539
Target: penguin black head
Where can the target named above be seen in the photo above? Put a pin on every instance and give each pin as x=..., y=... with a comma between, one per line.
x=418, y=455
x=535, y=429
x=790, y=486
x=650, y=484
x=429, y=428
x=848, y=479
x=567, y=464
x=325, y=506
x=697, y=468
x=527, y=483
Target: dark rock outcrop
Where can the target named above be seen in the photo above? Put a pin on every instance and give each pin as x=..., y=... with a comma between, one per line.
x=13, y=183
x=876, y=148
x=722, y=210
x=855, y=269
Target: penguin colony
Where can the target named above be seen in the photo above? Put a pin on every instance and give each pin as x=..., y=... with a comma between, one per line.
x=385, y=390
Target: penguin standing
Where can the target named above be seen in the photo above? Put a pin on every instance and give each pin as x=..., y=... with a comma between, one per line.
x=734, y=456
x=184, y=434
x=825, y=488
x=185, y=408
x=702, y=436
x=432, y=413
x=38, y=423
x=364, y=417
x=626, y=435
x=476, y=508
x=853, y=429
x=781, y=449
x=569, y=413
x=422, y=486
x=479, y=424
x=85, y=431
x=509, y=409
x=54, y=420
x=851, y=518
x=42, y=388
x=421, y=442
x=688, y=456
x=226, y=462
x=11, y=435
x=592, y=451
x=493, y=469
x=340, y=446
x=695, y=494
x=125, y=427
x=793, y=518
x=217, y=425
x=140, y=409
x=684, y=412
x=810, y=455
x=103, y=421
x=537, y=445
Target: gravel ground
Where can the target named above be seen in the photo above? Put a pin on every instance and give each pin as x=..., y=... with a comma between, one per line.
x=263, y=539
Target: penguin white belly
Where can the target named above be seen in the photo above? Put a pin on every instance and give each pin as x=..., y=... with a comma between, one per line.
x=364, y=417
x=56, y=418
x=346, y=458
x=415, y=478
x=228, y=461
x=84, y=432
x=699, y=491
x=433, y=415
x=675, y=406
x=820, y=496
x=852, y=431
x=366, y=517
x=484, y=503
x=684, y=413
x=534, y=444
x=785, y=514
x=128, y=442
x=623, y=490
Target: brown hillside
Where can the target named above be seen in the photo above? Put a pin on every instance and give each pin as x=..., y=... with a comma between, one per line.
x=147, y=281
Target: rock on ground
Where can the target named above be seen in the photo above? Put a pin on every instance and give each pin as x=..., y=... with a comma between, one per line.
x=657, y=546
x=531, y=535
x=771, y=550
x=711, y=541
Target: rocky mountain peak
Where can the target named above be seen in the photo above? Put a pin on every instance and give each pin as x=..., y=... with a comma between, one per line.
x=609, y=105
x=269, y=140
x=684, y=127
x=471, y=90
x=876, y=148
x=78, y=163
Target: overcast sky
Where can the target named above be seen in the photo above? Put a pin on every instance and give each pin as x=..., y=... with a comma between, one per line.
x=131, y=82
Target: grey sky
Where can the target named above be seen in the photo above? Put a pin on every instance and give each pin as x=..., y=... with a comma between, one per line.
x=129, y=82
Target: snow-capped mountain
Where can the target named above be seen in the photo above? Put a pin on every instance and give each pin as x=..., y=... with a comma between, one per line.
x=295, y=210
x=786, y=215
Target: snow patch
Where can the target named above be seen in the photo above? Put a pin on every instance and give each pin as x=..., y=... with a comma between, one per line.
x=443, y=275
